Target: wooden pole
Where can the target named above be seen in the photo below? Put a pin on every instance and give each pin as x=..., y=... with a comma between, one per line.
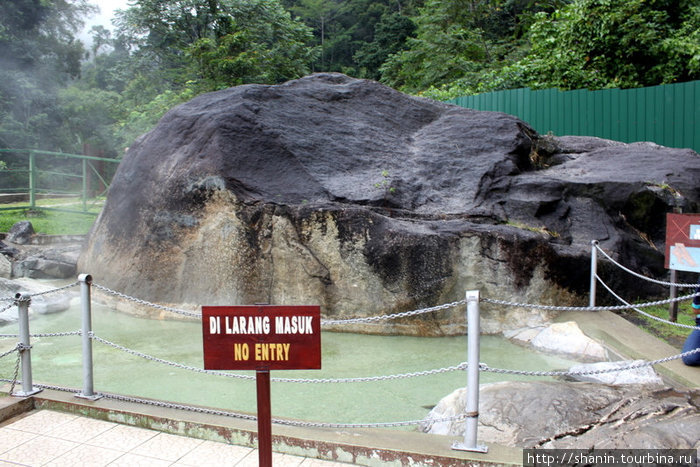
x=262, y=380
x=673, y=308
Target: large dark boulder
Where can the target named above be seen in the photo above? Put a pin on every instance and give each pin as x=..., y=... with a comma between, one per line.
x=346, y=193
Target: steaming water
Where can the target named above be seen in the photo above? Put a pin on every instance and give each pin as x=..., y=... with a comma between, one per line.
x=57, y=361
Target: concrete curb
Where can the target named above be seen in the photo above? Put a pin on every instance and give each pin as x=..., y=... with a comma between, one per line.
x=370, y=447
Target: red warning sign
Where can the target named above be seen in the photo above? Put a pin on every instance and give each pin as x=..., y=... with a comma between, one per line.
x=683, y=242
x=261, y=337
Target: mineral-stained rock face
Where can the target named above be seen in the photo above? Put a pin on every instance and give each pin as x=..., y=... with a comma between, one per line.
x=348, y=194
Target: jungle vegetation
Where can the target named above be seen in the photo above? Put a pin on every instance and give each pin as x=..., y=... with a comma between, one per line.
x=63, y=94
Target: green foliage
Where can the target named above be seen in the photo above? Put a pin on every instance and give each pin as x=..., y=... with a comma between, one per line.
x=88, y=116
x=390, y=35
x=38, y=55
x=674, y=335
x=462, y=43
x=448, y=44
x=346, y=31
x=594, y=44
x=259, y=43
x=139, y=119
x=56, y=95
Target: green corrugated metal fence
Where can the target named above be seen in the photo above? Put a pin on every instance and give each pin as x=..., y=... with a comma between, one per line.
x=668, y=115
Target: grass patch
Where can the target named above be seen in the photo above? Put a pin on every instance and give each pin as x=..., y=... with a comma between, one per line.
x=49, y=221
x=541, y=230
x=674, y=335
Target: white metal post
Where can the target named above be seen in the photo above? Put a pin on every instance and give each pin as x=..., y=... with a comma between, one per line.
x=28, y=388
x=472, y=405
x=86, y=307
x=594, y=273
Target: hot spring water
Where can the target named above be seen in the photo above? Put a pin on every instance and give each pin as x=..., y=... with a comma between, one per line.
x=57, y=361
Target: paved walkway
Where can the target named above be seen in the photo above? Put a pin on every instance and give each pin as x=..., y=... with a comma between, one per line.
x=49, y=438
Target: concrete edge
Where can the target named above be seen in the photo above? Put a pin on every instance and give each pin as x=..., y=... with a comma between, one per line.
x=367, y=446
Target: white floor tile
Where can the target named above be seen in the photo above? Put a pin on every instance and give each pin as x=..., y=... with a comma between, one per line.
x=167, y=447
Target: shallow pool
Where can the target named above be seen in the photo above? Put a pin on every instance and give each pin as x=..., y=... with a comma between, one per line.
x=57, y=361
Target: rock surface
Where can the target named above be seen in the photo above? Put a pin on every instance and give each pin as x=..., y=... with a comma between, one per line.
x=348, y=194
x=577, y=416
x=20, y=233
x=55, y=262
x=641, y=375
x=39, y=256
x=563, y=338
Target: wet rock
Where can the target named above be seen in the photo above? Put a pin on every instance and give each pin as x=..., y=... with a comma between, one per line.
x=7, y=250
x=562, y=338
x=5, y=267
x=366, y=201
x=57, y=262
x=641, y=375
x=20, y=233
x=577, y=415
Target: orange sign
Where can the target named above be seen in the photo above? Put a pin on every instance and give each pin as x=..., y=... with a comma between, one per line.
x=683, y=242
x=261, y=337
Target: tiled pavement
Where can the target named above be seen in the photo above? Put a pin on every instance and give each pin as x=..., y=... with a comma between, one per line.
x=49, y=438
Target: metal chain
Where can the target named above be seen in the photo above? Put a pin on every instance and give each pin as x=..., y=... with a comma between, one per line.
x=371, y=319
x=146, y=303
x=57, y=334
x=16, y=373
x=323, y=322
x=636, y=274
x=14, y=349
x=165, y=362
x=462, y=366
x=586, y=308
x=367, y=425
x=224, y=413
x=46, y=334
x=59, y=289
x=14, y=300
x=650, y=316
x=632, y=366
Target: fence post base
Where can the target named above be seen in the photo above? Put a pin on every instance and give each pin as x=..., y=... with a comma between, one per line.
x=26, y=393
x=90, y=398
x=464, y=447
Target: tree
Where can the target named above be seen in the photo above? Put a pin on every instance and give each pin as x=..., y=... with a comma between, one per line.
x=450, y=42
x=390, y=36
x=319, y=13
x=614, y=43
x=259, y=43
x=38, y=55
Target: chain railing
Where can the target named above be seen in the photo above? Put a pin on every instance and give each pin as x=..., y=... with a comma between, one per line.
x=23, y=347
x=641, y=276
